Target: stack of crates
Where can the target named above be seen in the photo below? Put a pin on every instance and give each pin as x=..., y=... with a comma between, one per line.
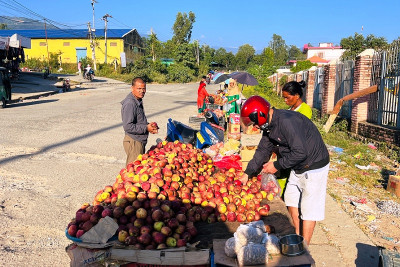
x=194, y=122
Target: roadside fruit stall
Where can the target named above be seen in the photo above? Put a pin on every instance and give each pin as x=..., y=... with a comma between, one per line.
x=179, y=205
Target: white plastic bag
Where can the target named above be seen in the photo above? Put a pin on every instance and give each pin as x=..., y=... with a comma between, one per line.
x=246, y=234
x=257, y=224
x=232, y=247
x=271, y=243
x=252, y=254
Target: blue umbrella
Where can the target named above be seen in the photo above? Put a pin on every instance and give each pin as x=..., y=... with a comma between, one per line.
x=217, y=75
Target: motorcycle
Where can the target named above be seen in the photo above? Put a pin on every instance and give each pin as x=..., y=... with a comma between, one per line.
x=66, y=85
x=89, y=75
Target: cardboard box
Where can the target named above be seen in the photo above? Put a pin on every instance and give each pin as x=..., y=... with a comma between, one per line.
x=244, y=165
x=393, y=185
x=234, y=118
x=234, y=128
x=247, y=152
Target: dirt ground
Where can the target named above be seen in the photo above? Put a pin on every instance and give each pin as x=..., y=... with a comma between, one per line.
x=374, y=209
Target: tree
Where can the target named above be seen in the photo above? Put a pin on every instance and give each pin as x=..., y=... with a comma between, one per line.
x=185, y=55
x=244, y=55
x=220, y=56
x=354, y=45
x=154, y=46
x=3, y=26
x=302, y=65
x=168, y=49
x=183, y=27
x=278, y=46
x=295, y=53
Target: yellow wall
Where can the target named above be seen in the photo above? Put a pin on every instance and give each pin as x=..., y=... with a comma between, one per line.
x=68, y=53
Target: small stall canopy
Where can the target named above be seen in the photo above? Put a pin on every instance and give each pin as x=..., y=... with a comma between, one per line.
x=4, y=41
x=19, y=41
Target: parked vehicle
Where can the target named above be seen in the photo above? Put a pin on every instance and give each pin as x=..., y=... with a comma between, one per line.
x=5, y=87
x=66, y=85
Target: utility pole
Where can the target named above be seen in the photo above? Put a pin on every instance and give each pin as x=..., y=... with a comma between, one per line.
x=93, y=2
x=92, y=37
x=152, y=45
x=105, y=35
x=47, y=44
x=197, y=53
x=92, y=46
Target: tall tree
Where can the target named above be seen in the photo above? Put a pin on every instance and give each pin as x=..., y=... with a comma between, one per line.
x=354, y=45
x=154, y=46
x=279, y=47
x=3, y=26
x=295, y=53
x=220, y=55
x=185, y=54
x=183, y=27
x=244, y=55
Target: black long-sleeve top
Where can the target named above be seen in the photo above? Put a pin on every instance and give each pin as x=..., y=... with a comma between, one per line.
x=298, y=140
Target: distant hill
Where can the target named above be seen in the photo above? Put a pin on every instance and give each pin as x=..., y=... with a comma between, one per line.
x=21, y=23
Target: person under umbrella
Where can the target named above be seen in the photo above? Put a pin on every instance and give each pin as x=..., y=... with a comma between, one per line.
x=201, y=95
x=233, y=97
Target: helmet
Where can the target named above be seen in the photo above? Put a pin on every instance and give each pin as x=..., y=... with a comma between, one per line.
x=255, y=110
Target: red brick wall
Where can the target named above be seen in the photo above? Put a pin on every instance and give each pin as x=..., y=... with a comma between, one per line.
x=310, y=87
x=328, y=94
x=378, y=133
x=362, y=80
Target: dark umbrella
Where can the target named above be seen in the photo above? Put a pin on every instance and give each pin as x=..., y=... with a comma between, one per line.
x=222, y=78
x=244, y=78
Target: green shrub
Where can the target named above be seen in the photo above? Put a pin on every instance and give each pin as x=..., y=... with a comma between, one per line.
x=283, y=80
x=33, y=63
x=180, y=73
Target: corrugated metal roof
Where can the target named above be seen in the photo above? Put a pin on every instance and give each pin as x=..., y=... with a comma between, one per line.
x=65, y=33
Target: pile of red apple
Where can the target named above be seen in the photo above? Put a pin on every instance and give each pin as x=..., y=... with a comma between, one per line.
x=157, y=199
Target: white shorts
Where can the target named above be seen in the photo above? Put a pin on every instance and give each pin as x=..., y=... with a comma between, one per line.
x=307, y=191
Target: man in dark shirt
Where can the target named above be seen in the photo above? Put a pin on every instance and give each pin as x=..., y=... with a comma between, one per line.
x=301, y=149
x=135, y=122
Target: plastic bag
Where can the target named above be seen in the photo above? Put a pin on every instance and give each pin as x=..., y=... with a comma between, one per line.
x=270, y=185
x=271, y=243
x=252, y=254
x=257, y=224
x=246, y=234
x=232, y=247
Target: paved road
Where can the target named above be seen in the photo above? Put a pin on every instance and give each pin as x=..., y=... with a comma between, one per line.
x=57, y=151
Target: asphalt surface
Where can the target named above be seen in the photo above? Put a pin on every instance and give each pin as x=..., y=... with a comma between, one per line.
x=59, y=149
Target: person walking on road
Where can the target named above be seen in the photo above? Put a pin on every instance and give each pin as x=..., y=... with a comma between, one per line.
x=79, y=67
x=134, y=121
x=301, y=149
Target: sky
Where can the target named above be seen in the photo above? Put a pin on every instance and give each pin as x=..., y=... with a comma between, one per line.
x=227, y=24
